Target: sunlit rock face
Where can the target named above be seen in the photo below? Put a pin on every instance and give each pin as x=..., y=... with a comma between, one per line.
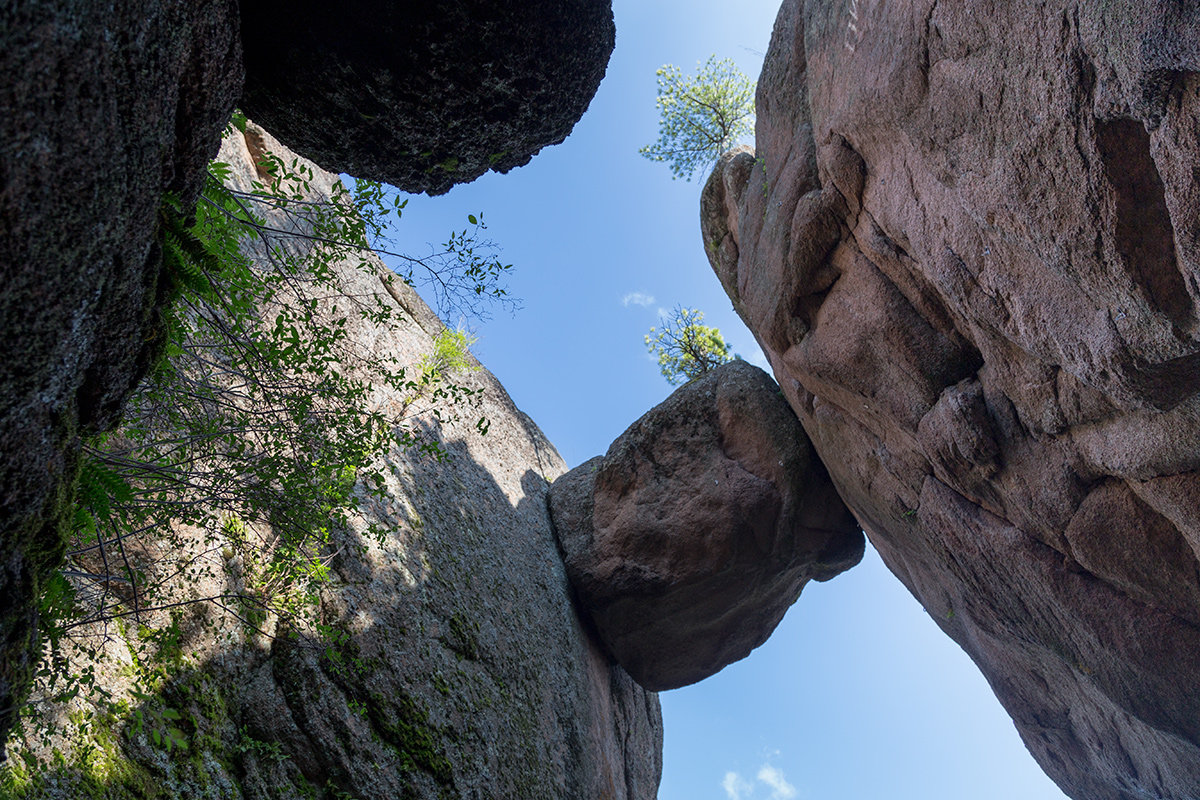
x=969, y=243
x=454, y=663
x=423, y=95
x=109, y=106
x=691, y=537
x=106, y=106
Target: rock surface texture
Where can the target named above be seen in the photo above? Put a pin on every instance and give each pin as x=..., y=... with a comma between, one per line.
x=106, y=107
x=691, y=537
x=970, y=247
x=423, y=95
x=461, y=668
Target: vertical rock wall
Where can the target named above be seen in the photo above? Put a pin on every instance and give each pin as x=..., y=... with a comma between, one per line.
x=969, y=243
x=458, y=666
x=106, y=107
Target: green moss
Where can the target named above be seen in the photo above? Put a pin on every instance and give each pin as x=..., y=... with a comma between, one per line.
x=398, y=720
x=38, y=538
x=96, y=768
x=404, y=725
x=461, y=637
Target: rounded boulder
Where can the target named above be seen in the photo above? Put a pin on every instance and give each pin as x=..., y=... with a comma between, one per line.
x=687, y=542
x=423, y=95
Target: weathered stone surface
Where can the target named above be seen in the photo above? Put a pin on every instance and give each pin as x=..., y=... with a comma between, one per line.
x=971, y=251
x=465, y=670
x=691, y=537
x=423, y=95
x=106, y=106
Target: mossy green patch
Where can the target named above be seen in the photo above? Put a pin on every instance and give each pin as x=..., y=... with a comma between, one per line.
x=404, y=725
x=461, y=637
x=96, y=767
x=399, y=720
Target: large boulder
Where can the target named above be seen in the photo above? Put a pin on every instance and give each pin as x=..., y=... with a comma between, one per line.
x=691, y=537
x=423, y=95
x=107, y=106
x=970, y=248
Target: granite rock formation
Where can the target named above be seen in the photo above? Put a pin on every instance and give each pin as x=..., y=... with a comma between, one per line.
x=460, y=667
x=106, y=108
x=969, y=244
x=423, y=95
x=691, y=537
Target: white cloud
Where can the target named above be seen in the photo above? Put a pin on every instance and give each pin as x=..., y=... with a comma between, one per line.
x=637, y=299
x=780, y=788
x=735, y=786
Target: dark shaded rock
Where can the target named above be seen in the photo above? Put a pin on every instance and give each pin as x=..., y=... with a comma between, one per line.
x=106, y=107
x=423, y=95
x=691, y=537
x=970, y=248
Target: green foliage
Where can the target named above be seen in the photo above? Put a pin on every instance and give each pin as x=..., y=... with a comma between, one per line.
x=685, y=347
x=257, y=436
x=700, y=117
x=451, y=352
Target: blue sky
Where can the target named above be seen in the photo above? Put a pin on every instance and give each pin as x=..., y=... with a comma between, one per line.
x=858, y=694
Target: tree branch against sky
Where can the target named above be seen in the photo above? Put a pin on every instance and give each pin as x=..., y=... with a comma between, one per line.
x=686, y=348
x=700, y=117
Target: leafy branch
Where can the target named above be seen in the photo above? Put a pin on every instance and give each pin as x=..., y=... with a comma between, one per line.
x=700, y=117
x=685, y=347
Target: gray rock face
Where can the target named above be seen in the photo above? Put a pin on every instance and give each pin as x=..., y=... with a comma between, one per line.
x=970, y=247
x=106, y=107
x=691, y=537
x=461, y=668
x=109, y=105
x=423, y=95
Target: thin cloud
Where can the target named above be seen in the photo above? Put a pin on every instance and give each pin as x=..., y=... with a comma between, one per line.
x=736, y=787
x=637, y=299
x=780, y=788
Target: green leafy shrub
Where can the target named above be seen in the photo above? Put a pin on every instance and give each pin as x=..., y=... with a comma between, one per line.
x=700, y=117
x=685, y=347
x=451, y=353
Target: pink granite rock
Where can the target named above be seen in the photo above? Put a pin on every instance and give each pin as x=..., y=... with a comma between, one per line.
x=688, y=541
x=969, y=243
